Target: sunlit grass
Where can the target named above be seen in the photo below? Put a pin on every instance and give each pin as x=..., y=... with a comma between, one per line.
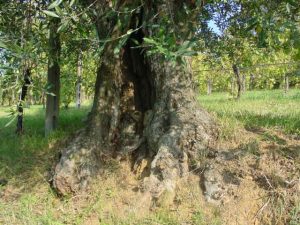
x=20, y=155
x=25, y=160
x=268, y=109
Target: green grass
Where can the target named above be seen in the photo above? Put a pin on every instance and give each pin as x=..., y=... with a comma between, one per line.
x=256, y=109
x=20, y=156
x=25, y=160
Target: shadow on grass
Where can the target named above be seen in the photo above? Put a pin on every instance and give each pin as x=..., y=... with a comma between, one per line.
x=290, y=124
x=292, y=151
x=266, y=136
x=25, y=160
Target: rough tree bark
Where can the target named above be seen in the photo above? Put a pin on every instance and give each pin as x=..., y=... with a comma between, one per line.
x=23, y=94
x=52, y=102
x=238, y=80
x=144, y=107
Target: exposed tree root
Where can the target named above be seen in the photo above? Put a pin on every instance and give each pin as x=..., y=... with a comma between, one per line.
x=144, y=106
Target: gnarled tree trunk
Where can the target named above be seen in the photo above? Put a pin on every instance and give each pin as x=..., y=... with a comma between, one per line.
x=144, y=107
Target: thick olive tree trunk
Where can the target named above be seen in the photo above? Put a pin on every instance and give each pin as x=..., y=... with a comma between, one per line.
x=52, y=102
x=145, y=107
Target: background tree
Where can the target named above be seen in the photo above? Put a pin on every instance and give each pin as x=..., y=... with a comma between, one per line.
x=52, y=105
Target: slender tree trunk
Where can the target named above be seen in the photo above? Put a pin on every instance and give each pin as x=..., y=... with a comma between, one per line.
x=10, y=100
x=23, y=94
x=238, y=80
x=144, y=107
x=244, y=83
x=252, y=82
x=286, y=83
x=52, y=104
x=209, y=86
x=3, y=98
x=232, y=86
x=36, y=99
x=79, y=78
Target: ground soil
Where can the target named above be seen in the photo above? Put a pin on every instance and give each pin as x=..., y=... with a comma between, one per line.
x=260, y=185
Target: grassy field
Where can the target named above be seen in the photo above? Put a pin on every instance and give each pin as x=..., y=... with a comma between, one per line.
x=267, y=125
x=20, y=155
x=26, y=161
x=267, y=109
